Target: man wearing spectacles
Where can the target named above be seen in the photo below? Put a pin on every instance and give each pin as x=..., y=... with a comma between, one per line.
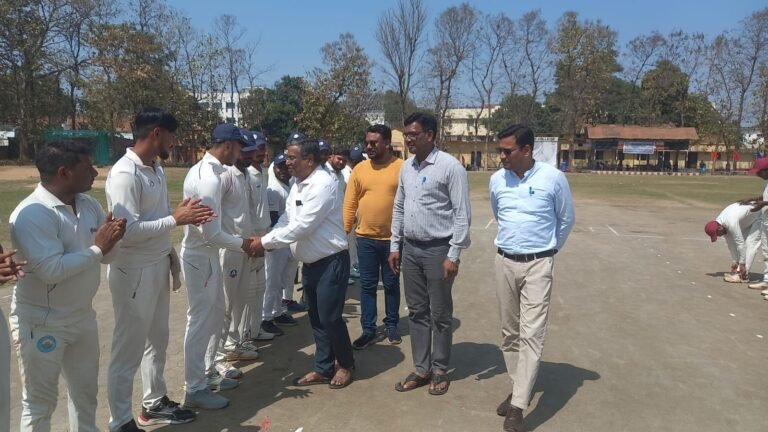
x=430, y=225
x=532, y=204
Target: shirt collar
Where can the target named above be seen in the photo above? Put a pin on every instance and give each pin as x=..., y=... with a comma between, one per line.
x=133, y=157
x=431, y=157
x=51, y=200
x=527, y=174
x=306, y=180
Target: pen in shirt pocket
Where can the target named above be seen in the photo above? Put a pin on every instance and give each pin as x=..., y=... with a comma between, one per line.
x=530, y=191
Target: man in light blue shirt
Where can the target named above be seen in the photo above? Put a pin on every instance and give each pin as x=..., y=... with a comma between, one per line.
x=532, y=204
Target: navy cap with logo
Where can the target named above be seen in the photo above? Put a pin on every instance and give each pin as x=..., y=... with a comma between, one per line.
x=280, y=158
x=259, y=138
x=324, y=145
x=251, y=144
x=356, y=153
x=228, y=132
x=295, y=137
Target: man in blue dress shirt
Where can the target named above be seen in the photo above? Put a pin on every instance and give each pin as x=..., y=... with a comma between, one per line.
x=532, y=204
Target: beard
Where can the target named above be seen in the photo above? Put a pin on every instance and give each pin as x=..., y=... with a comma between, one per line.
x=164, y=155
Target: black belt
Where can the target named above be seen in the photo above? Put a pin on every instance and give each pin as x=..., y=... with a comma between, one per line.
x=324, y=260
x=527, y=257
x=427, y=243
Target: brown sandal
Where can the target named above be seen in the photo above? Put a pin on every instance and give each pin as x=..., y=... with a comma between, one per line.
x=341, y=384
x=438, y=379
x=416, y=379
x=312, y=378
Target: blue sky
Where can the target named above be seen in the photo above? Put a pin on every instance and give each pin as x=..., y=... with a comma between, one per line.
x=293, y=31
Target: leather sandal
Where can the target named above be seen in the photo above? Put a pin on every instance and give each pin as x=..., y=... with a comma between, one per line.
x=416, y=379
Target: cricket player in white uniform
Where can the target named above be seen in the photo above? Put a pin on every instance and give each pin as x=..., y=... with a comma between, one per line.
x=10, y=270
x=64, y=235
x=261, y=224
x=236, y=264
x=202, y=271
x=137, y=190
x=760, y=203
x=740, y=226
x=281, y=265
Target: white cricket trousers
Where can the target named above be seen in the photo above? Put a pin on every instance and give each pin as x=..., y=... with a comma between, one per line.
x=523, y=290
x=44, y=353
x=205, y=294
x=141, y=301
x=236, y=272
x=255, y=295
x=352, y=242
x=5, y=375
x=280, y=273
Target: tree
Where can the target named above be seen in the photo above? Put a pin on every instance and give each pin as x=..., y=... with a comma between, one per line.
x=229, y=35
x=761, y=101
x=31, y=35
x=515, y=109
x=734, y=62
x=274, y=110
x=393, y=109
x=336, y=98
x=642, y=54
x=492, y=38
x=400, y=34
x=586, y=60
x=455, y=39
x=665, y=89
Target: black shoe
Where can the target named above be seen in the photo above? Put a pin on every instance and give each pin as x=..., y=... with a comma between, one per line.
x=130, y=427
x=165, y=412
x=513, y=422
x=363, y=341
x=285, y=320
x=294, y=306
x=270, y=327
x=504, y=406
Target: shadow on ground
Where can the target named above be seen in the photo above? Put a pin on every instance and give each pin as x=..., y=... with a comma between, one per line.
x=557, y=383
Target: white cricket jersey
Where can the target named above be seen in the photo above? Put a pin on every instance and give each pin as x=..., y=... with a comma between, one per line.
x=235, y=206
x=277, y=194
x=258, y=183
x=737, y=220
x=204, y=181
x=312, y=224
x=63, y=271
x=139, y=193
x=346, y=172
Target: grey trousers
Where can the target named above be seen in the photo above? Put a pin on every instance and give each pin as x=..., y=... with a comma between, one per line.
x=430, y=305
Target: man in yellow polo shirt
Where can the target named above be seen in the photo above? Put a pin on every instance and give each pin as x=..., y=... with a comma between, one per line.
x=369, y=199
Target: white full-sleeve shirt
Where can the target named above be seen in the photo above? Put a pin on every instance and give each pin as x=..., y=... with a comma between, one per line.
x=139, y=193
x=235, y=206
x=63, y=271
x=204, y=181
x=259, y=200
x=312, y=223
x=737, y=220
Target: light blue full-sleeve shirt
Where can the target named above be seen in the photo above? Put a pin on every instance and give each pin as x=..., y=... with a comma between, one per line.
x=534, y=213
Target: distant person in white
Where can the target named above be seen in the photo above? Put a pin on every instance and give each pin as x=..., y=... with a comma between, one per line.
x=311, y=226
x=10, y=270
x=137, y=190
x=272, y=316
x=740, y=225
x=236, y=220
x=202, y=272
x=64, y=235
x=281, y=265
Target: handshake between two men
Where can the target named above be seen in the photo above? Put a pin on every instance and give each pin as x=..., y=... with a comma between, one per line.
x=253, y=247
